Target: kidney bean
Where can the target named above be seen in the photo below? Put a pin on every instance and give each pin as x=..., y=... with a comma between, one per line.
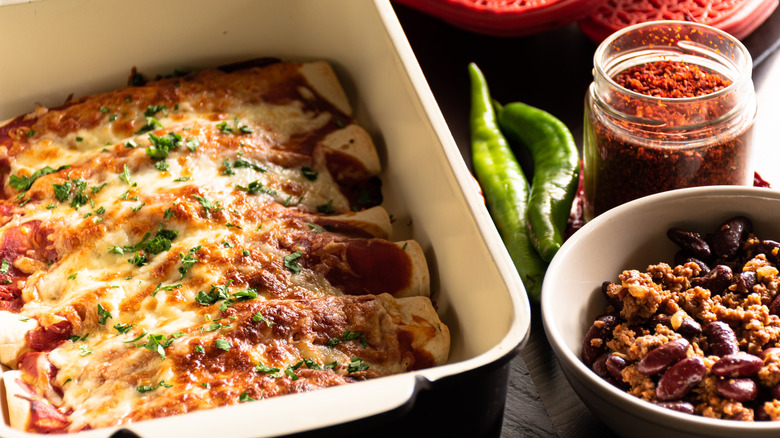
x=615, y=365
x=727, y=240
x=774, y=306
x=741, y=390
x=721, y=338
x=745, y=282
x=689, y=327
x=659, y=358
x=691, y=242
x=685, y=325
x=775, y=391
x=660, y=318
x=679, y=406
x=760, y=414
x=717, y=280
x=770, y=249
x=680, y=378
x=601, y=329
x=600, y=366
x=739, y=364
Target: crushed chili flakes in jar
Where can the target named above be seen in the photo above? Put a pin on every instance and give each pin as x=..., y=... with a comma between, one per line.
x=657, y=120
x=671, y=79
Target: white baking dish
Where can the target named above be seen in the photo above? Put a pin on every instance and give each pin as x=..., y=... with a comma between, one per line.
x=52, y=48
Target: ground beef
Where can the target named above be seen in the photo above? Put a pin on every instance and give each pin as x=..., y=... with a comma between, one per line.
x=666, y=303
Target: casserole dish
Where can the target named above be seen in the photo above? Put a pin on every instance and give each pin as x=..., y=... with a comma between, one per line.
x=80, y=47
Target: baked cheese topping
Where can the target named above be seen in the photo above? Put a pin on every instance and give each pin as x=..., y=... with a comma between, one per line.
x=192, y=243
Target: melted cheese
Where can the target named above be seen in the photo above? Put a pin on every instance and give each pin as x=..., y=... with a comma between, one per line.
x=235, y=194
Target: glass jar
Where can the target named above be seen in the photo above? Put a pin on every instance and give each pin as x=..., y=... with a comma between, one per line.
x=636, y=144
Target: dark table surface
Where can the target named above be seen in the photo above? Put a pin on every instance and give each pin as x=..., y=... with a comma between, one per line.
x=552, y=71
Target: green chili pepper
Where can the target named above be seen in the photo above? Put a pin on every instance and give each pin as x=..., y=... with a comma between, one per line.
x=556, y=171
x=503, y=183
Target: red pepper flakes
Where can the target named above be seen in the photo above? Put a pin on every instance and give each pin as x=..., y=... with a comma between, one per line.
x=659, y=145
x=671, y=79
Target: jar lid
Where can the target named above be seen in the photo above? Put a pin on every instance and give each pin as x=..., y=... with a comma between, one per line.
x=738, y=18
x=505, y=17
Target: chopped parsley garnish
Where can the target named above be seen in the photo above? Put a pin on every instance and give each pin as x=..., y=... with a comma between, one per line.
x=254, y=187
x=151, y=125
x=79, y=198
x=161, y=165
x=158, y=343
x=223, y=344
x=84, y=350
x=225, y=128
x=258, y=317
x=264, y=369
x=289, y=371
x=138, y=207
x=103, y=314
x=161, y=242
x=160, y=287
x=315, y=228
x=135, y=339
x=199, y=349
x=348, y=336
x=192, y=144
x=151, y=110
x=246, y=294
x=326, y=208
x=125, y=175
x=23, y=183
x=104, y=109
x=130, y=144
x=30, y=133
x=139, y=259
x=182, y=178
x=5, y=265
x=96, y=189
x=244, y=397
x=217, y=292
x=169, y=213
x=309, y=173
x=51, y=206
x=310, y=364
x=72, y=276
x=123, y=327
x=79, y=139
x=356, y=364
x=207, y=205
x=214, y=326
x=148, y=388
x=62, y=191
x=161, y=146
x=291, y=262
x=188, y=260
x=241, y=162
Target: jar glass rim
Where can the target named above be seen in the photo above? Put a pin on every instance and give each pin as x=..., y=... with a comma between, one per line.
x=742, y=65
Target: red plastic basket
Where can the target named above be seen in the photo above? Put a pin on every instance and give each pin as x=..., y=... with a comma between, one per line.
x=505, y=17
x=736, y=17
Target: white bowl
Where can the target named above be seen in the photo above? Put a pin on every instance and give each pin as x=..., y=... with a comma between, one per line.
x=633, y=236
